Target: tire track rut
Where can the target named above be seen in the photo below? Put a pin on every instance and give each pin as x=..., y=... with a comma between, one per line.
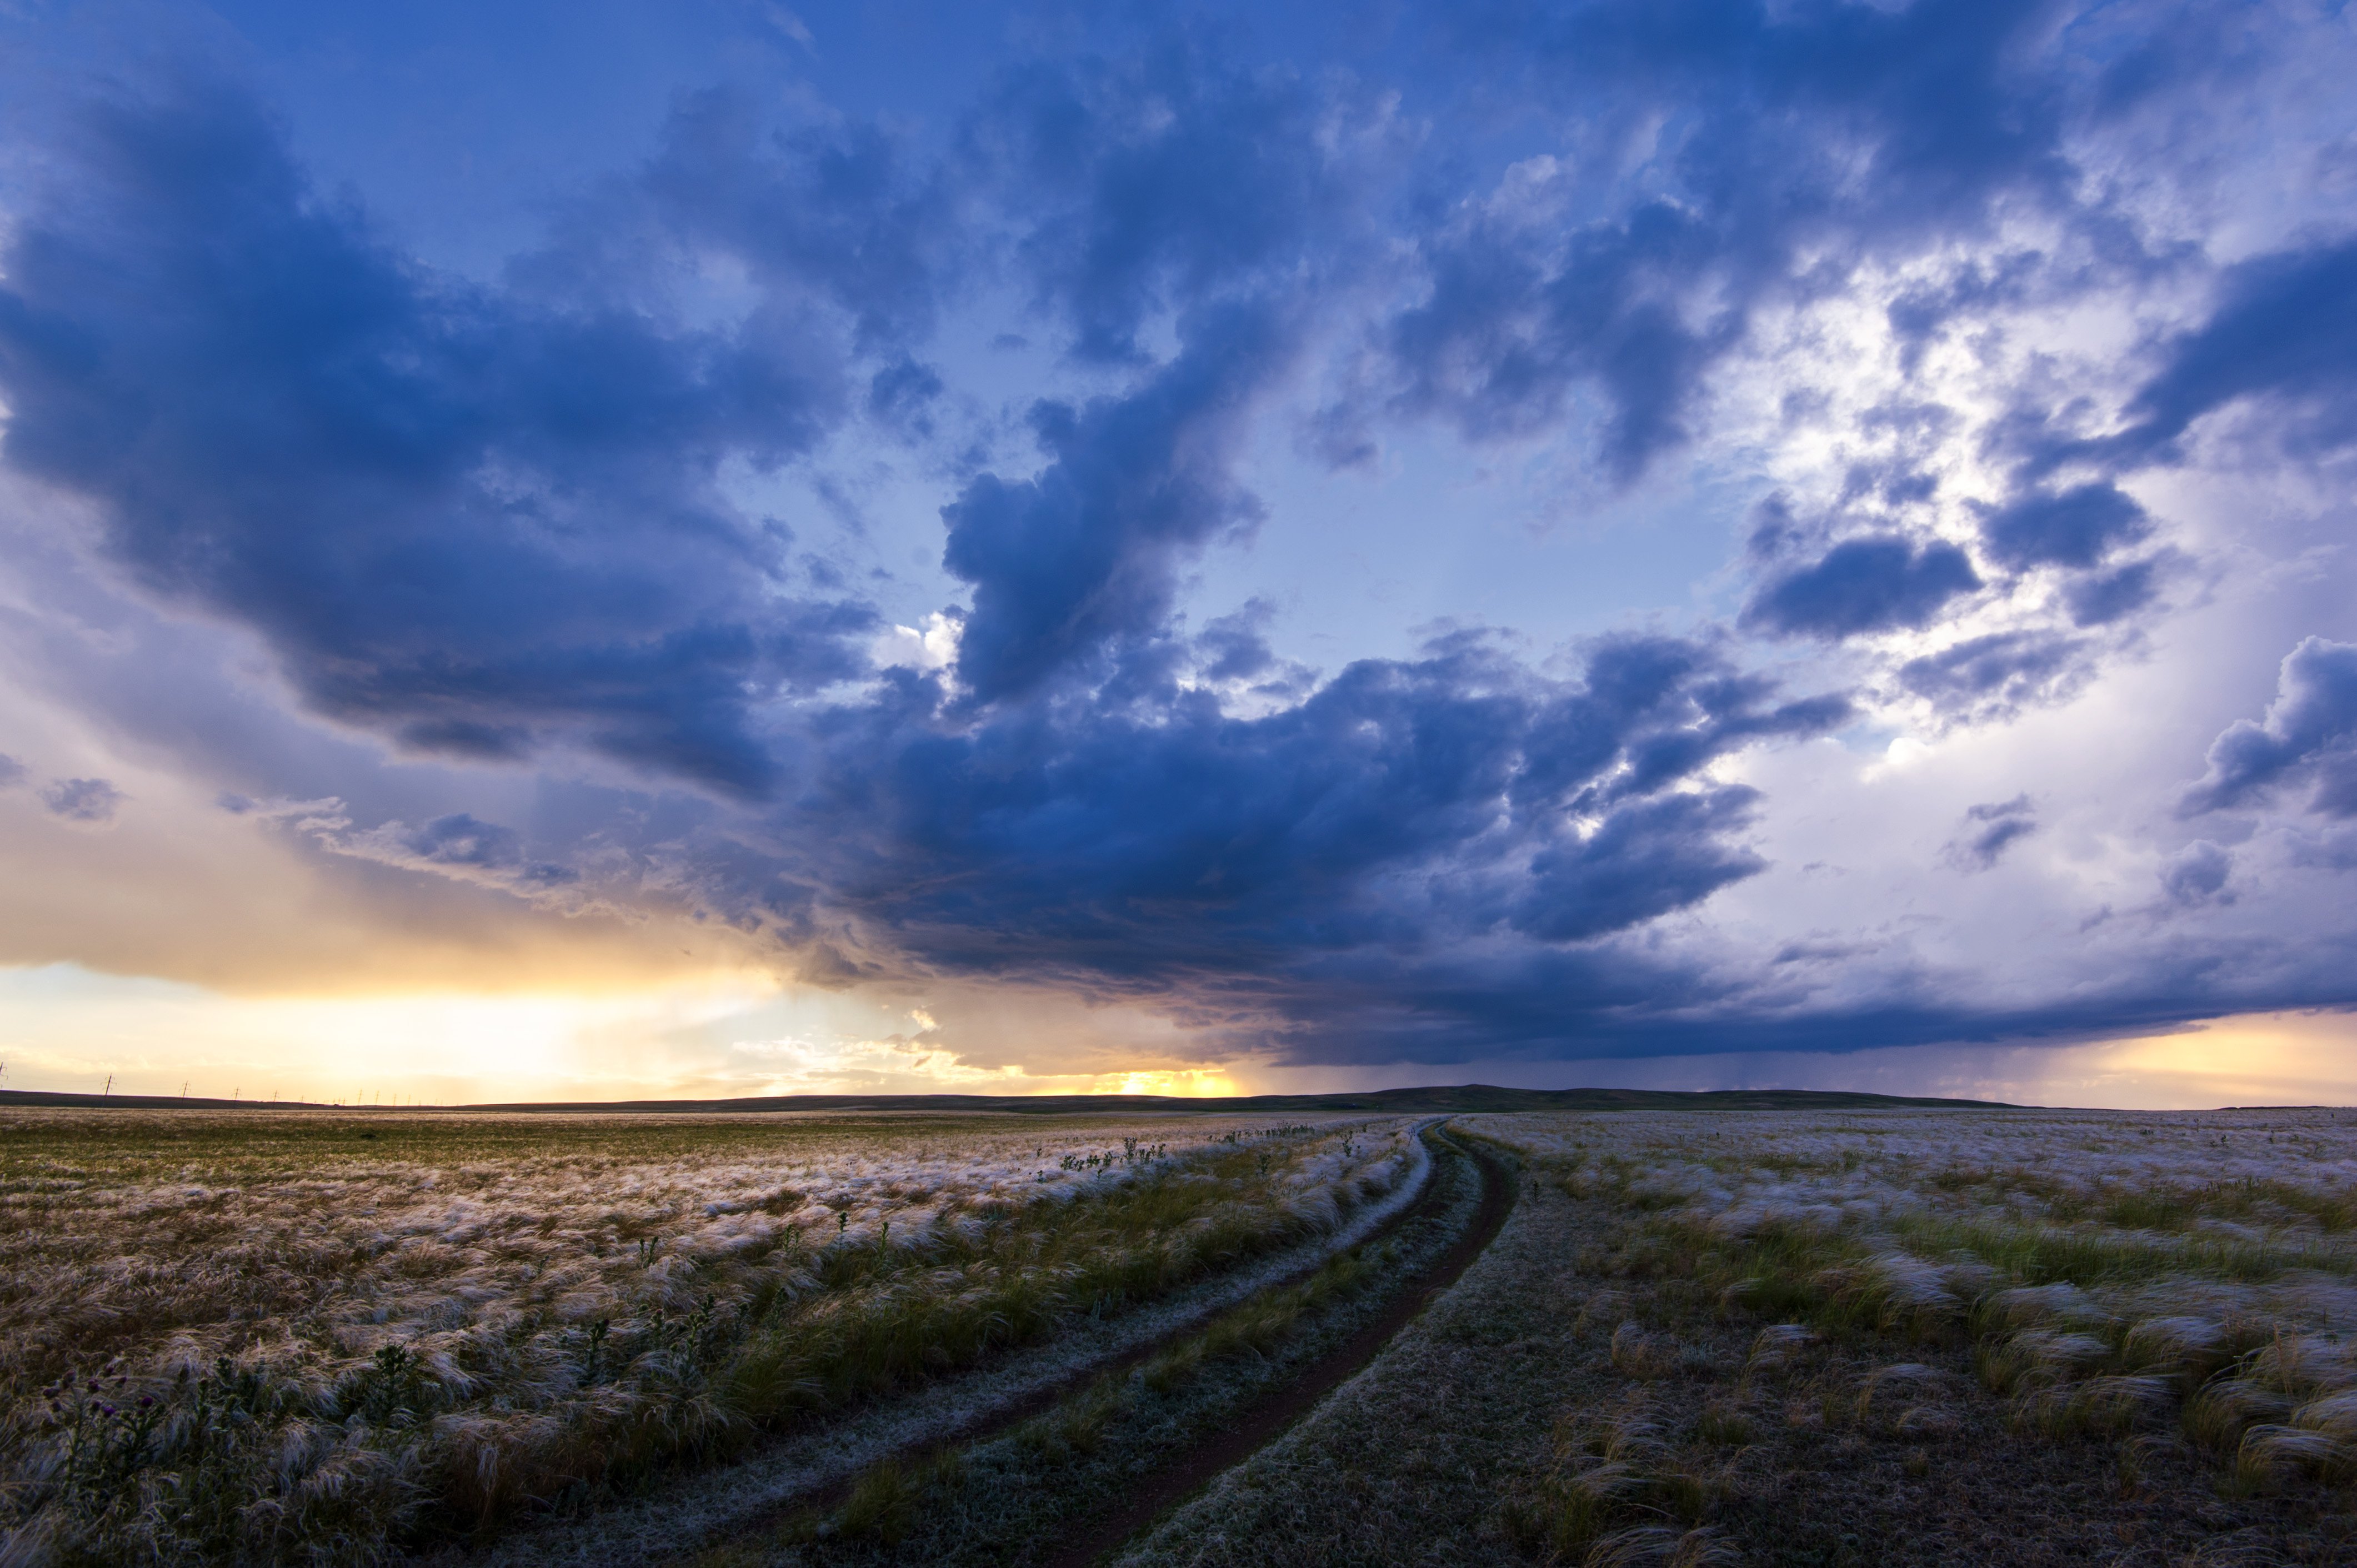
x=1005, y=1417
x=1183, y=1475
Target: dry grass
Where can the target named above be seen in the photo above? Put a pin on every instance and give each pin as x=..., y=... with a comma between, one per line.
x=258, y=1336
x=2112, y=1274
x=1778, y=1338
x=1814, y=1339
x=1014, y=1497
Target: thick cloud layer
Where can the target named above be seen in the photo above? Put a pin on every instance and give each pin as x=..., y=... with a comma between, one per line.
x=1408, y=805
x=1938, y=296
x=462, y=518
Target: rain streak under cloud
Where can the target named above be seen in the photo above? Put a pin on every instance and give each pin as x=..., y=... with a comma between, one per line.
x=878, y=546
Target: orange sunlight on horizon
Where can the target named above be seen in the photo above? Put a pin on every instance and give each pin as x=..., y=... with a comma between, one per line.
x=732, y=1033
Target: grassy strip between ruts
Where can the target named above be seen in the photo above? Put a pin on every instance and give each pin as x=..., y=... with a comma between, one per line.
x=1009, y=1499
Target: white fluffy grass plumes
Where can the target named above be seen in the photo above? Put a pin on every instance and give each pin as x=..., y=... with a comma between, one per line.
x=2114, y=1271
x=448, y=1316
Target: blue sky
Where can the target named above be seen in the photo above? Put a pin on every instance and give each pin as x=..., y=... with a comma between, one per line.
x=707, y=547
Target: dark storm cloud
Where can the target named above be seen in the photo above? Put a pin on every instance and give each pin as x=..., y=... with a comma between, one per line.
x=1645, y=860
x=1406, y=807
x=842, y=212
x=2111, y=595
x=1087, y=552
x=1829, y=132
x=463, y=519
x=2077, y=527
x=1236, y=647
x=1173, y=190
x=1508, y=330
x=475, y=521
x=2308, y=735
x=1877, y=584
x=902, y=395
x=2284, y=329
x=1158, y=185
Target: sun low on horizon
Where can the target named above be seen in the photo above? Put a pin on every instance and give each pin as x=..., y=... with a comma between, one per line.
x=720, y=550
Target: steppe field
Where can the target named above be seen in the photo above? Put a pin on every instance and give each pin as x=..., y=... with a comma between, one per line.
x=1690, y=1333
x=1854, y=1337
x=329, y=1338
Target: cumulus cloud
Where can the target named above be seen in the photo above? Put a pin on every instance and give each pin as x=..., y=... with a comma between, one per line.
x=1065, y=563
x=1236, y=647
x=2076, y=527
x=465, y=518
x=1990, y=829
x=1803, y=141
x=1864, y=586
x=1405, y=807
x=1151, y=188
x=2197, y=873
x=93, y=801
x=1057, y=804
x=2108, y=596
x=1984, y=676
x=2309, y=735
x=2285, y=330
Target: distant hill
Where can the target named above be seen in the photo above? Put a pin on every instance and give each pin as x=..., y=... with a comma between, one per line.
x=1466, y=1097
x=153, y=1102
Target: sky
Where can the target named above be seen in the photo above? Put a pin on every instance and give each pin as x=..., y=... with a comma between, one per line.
x=712, y=548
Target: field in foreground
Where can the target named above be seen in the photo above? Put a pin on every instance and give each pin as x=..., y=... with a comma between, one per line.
x=1865, y=1338
x=311, y=1336
x=1781, y=1336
